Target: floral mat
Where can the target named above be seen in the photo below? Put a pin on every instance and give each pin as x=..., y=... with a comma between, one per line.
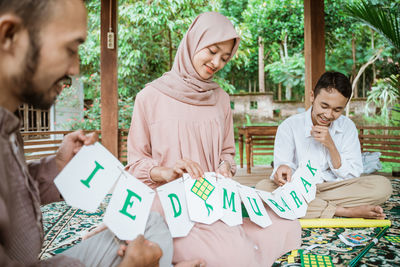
x=325, y=241
x=64, y=226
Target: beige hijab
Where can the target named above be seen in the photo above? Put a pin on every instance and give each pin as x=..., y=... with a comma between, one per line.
x=182, y=82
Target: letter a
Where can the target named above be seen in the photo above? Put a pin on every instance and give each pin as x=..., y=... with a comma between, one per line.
x=172, y=197
x=87, y=181
x=305, y=183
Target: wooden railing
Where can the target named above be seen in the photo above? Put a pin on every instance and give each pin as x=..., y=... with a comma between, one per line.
x=259, y=140
x=41, y=144
x=381, y=139
x=123, y=145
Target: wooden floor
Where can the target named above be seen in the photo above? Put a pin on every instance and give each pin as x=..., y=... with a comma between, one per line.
x=257, y=173
x=262, y=172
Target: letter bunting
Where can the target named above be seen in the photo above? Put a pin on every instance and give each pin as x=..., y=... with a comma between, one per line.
x=93, y=172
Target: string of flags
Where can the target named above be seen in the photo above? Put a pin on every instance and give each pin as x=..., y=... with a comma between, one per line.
x=91, y=174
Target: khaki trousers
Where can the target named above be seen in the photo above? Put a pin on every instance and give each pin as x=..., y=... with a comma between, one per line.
x=365, y=190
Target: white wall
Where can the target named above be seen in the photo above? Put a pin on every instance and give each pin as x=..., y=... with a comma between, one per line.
x=266, y=106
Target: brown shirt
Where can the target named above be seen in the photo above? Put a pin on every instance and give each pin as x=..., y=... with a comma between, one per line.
x=23, y=187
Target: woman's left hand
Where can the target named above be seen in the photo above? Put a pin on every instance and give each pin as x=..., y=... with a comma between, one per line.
x=224, y=169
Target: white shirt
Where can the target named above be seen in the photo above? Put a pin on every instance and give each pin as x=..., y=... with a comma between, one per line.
x=294, y=144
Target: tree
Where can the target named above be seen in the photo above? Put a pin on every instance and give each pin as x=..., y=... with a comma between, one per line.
x=279, y=27
x=149, y=33
x=383, y=19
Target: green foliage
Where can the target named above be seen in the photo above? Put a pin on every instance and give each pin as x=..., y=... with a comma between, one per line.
x=383, y=95
x=396, y=114
x=290, y=73
x=233, y=9
x=272, y=18
x=269, y=19
x=385, y=21
x=248, y=119
x=224, y=84
x=69, y=97
x=149, y=33
x=92, y=119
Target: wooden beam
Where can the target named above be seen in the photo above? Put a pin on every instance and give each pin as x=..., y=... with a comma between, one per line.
x=109, y=77
x=314, y=45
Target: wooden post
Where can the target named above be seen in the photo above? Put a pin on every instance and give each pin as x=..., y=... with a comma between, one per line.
x=240, y=132
x=261, y=71
x=248, y=144
x=314, y=45
x=109, y=77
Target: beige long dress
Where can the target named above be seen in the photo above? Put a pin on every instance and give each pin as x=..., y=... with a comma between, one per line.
x=164, y=130
x=180, y=116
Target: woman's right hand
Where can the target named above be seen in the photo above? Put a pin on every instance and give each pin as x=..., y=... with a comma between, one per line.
x=165, y=174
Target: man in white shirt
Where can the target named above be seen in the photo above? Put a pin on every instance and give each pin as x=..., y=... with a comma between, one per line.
x=322, y=134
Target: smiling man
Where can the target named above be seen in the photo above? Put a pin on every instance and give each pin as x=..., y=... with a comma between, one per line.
x=39, y=42
x=325, y=136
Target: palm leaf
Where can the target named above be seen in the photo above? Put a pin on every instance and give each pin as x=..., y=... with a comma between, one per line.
x=394, y=80
x=385, y=22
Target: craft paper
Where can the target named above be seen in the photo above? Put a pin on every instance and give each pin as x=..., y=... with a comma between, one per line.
x=280, y=197
x=311, y=169
x=88, y=177
x=304, y=182
x=294, y=199
x=173, y=200
x=254, y=206
x=203, y=198
x=126, y=215
x=231, y=204
x=276, y=205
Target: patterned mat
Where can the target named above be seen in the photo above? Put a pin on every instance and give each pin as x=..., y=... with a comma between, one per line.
x=64, y=227
x=325, y=241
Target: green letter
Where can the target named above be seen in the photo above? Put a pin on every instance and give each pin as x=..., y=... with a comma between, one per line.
x=276, y=205
x=174, y=196
x=255, y=202
x=284, y=203
x=311, y=168
x=129, y=203
x=305, y=183
x=230, y=201
x=296, y=198
x=87, y=181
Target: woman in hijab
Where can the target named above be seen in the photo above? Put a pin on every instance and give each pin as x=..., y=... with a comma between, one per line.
x=182, y=122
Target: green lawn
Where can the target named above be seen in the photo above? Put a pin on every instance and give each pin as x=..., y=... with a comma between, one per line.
x=258, y=160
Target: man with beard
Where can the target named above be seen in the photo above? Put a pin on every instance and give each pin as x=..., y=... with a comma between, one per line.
x=39, y=42
x=325, y=136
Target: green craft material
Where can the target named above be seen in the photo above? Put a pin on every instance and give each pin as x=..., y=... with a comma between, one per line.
x=244, y=212
x=315, y=260
x=393, y=239
x=374, y=241
x=203, y=189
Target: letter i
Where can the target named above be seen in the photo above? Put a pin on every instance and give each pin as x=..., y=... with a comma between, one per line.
x=87, y=181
